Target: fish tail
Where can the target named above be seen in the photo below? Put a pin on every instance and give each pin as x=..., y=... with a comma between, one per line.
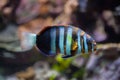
x=28, y=41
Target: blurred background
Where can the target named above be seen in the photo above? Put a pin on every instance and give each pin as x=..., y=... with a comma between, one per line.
x=99, y=18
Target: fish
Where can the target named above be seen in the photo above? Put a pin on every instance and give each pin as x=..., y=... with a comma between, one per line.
x=65, y=40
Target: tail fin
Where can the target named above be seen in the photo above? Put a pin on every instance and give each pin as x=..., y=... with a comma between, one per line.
x=28, y=41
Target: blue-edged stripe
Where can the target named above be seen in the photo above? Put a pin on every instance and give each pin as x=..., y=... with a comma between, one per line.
x=69, y=41
x=85, y=43
x=79, y=42
x=92, y=47
x=53, y=40
x=61, y=39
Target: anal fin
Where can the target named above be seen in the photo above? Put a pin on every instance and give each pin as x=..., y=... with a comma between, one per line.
x=67, y=56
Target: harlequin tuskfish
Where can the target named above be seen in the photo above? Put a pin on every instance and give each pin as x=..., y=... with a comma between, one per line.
x=65, y=40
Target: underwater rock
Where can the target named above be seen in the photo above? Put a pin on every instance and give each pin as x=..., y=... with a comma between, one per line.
x=26, y=75
x=104, y=64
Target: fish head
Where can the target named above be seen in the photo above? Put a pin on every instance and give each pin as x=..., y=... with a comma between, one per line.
x=92, y=45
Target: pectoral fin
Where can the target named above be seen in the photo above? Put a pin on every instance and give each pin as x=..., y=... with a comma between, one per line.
x=74, y=45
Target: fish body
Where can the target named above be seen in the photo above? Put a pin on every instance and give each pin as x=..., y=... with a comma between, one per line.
x=65, y=40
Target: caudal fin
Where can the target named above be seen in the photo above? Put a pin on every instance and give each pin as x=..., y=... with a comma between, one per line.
x=28, y=41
